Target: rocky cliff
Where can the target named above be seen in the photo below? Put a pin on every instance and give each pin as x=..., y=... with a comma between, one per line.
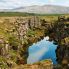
x=18, y=33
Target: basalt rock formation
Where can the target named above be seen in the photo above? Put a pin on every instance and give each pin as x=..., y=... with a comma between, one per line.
x=22, y=32
x=60, y=35
x=45, y=64
x=17, y=36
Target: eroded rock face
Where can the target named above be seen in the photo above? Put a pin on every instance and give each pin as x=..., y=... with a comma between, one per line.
x=16, y=44
x=46, y=64
x=60, y=35
x=16, y=49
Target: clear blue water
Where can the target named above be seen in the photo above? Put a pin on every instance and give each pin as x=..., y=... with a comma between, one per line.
x=42, y=50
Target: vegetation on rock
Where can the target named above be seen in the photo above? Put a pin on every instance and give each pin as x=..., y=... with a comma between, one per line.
x=18, y=33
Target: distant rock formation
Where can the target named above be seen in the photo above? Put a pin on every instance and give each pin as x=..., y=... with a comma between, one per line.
x=44, y=9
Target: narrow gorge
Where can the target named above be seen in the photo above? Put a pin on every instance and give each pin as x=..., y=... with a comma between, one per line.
x=18, y=33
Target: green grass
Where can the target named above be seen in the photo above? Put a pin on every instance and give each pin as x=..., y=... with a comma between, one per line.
x=15, y=14
x=26, y=14
x=51, y=14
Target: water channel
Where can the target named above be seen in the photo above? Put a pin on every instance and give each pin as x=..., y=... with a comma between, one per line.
x=41, y=50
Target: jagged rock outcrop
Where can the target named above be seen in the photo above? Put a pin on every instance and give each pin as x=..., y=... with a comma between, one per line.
x=23, y=32
x=46, y=64
x=16, y=44
x=60, y=35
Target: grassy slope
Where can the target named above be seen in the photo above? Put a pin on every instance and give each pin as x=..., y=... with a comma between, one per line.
x=26, y=14
x=15, y=14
